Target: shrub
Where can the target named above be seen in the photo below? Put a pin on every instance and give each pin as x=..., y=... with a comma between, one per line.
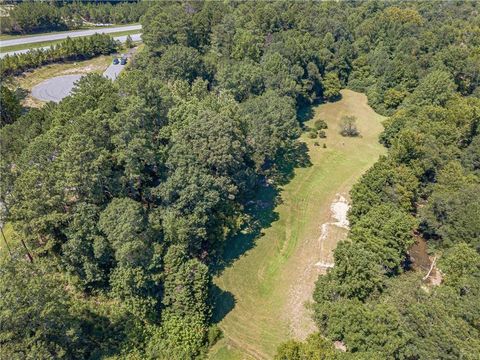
x=348, y=126
x=320, y=124
x=322, y=134
x=312, y=134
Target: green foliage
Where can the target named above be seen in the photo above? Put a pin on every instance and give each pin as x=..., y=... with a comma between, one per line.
x=434, y=89
x=271, y=127
x=458, y=264
x=29, y=17
x=348, y=126
x=129, y=42
x=314, y=348
x=166, y=25
x=320, y=124
x=70, y=49
x=331, y=86
x=180, y=337
x=36, y=317
x=129, y=190
x=180, y=63
x=10, y=107
x=33, y=16
x=387, y=232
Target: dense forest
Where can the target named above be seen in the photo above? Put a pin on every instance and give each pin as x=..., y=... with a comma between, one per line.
x=122, y=196
x=27, y=17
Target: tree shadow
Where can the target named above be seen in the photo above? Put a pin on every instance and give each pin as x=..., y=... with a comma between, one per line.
x=224, y=302
x=305, y=113
x=260, y=213
x=288, y=161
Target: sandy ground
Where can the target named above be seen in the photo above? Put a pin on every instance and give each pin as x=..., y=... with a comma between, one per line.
x=300, y=295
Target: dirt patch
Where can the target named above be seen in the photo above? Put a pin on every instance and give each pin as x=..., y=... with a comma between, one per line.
x=423, y=262
x=332, y=231
x=83, y=70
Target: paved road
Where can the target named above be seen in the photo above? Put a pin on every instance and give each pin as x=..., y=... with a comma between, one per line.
x=64, y=35
x=123, y=38
x=55, y=89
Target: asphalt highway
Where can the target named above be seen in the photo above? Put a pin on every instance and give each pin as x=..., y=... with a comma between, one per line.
x=64, y=35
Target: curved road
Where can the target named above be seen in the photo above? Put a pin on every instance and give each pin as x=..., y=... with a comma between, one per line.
x=64, y=35
x=56, y=88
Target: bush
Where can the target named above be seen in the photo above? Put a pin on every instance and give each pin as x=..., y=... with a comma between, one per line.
x=320, y=124
x=312, y=134
x=348, y=126
x=324, y=146
x=322, y=134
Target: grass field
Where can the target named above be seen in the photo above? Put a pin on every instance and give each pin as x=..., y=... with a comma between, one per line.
x=270, y=283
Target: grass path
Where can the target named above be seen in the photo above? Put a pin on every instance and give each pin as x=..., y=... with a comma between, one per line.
x=271, y=282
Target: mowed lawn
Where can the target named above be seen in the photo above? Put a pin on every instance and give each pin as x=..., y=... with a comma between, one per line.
x=269, y=281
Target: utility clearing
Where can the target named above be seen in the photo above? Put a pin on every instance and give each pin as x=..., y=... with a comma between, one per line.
x=270, y=284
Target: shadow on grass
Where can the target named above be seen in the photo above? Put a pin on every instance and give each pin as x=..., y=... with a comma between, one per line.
x=224, y=302
x=261, y=214
x=260, y=211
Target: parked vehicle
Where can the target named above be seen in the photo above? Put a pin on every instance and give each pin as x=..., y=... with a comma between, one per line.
x=115, y=61
x=123, y=61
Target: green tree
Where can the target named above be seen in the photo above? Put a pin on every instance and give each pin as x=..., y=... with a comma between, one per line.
x=348, y=126
x=129, y=42
x=331, y=86
x=36, y=319
x=436, y=88
x=10, y=107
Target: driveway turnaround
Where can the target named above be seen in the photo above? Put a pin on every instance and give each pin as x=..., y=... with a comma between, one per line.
x=64, y=35
x=55, y=89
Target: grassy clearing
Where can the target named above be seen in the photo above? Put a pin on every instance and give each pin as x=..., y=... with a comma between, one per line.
x=54, y=42
x=269, y=281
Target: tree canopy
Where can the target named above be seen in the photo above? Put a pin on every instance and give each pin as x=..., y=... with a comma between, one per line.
x=125, y=193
